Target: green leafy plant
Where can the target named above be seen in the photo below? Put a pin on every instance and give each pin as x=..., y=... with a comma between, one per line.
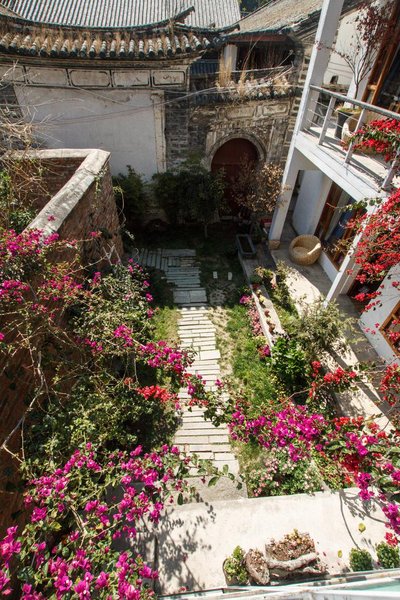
x=322, y=328
x=274, y=474
x=234, y=567
x=388, y=556
x=289, y=364
x=190, y=193
x=360, y=560
x=130, y=194
x=14, y=213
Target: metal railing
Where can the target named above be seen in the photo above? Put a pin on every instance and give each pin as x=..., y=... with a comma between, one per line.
x=319, y=119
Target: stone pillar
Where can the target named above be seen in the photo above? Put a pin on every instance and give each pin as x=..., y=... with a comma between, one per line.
x=159, y=129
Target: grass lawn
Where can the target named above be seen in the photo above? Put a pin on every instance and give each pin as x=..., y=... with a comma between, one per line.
x=165, y=320
x=250, y=374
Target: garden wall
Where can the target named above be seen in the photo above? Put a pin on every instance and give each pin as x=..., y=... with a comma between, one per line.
x=200, y=129
x=84, y=203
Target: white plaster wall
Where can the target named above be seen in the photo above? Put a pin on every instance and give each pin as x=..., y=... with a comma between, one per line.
x=337, y=66
x=388, y=299
x=328, y=266
x=127, y=123
x=310, y=202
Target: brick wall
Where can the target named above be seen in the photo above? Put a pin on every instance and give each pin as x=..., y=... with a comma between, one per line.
x=84, y=203
x=191, y=124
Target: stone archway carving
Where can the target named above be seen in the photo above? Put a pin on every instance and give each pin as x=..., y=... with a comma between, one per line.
x=216, y=145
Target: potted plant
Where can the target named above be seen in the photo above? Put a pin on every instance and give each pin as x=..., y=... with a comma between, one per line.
x=342, y=114
x=234, y=568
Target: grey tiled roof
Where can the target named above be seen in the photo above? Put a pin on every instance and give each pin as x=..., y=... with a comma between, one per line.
x=279, y=14
x=139, y=46
x=125, y=13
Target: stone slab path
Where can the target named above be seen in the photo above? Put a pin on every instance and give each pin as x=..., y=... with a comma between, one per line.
x=196, y=331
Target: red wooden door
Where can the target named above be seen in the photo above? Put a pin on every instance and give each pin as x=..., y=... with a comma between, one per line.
x=230, y=158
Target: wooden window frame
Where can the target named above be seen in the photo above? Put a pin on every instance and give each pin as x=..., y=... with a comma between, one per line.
x=395, y=314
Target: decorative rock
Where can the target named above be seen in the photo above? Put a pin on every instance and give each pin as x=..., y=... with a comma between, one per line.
x=257, y=567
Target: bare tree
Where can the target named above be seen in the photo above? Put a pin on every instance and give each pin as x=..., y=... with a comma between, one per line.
x=258, y=187
x=372, y=31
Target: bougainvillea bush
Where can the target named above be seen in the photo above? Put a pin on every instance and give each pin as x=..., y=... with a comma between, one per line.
x=85, y=521
x=381, y=136
x=88, y=338
x=99, y=387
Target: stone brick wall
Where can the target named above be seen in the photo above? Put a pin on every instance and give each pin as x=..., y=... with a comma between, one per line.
x=84, y=203
x=209, y=124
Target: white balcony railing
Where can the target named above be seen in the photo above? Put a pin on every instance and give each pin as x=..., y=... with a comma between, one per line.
x=322, y=121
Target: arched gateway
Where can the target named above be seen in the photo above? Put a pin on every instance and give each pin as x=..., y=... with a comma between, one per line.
x=230, y=158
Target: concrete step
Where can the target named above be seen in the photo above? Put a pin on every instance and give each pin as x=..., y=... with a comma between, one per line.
x=199, y=448
x=199, y=426
x=205, y=440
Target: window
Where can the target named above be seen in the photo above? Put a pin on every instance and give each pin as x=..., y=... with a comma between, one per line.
x=391, y=330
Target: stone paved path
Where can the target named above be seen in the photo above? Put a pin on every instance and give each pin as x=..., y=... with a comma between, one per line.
x=198, y=332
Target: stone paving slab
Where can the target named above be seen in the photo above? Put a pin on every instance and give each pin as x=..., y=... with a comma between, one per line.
x=196, y=331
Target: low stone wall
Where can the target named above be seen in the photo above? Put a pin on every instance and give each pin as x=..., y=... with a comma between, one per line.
x=84, y=203
x=193, y=540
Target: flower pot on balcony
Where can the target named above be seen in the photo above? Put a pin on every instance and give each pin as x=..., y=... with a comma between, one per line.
x=342, y=114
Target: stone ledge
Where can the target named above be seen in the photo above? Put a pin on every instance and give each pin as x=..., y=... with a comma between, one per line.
x=63, y=203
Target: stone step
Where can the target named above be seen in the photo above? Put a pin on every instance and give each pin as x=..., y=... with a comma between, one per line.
x=209, y=439
x=199, y=425
x=185, y=252
x=200, y=327
x=199, y=448
x=199, y=431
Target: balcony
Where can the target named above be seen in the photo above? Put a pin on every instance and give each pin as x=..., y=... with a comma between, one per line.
x=323, y=137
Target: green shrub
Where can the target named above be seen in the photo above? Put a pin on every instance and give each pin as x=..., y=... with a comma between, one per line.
x=130, y=194
x=322, y=329
x=14, y=212
x=360, y=560
x=191, y=193
x=289, y=364
x=234, y=566
x=388, y=556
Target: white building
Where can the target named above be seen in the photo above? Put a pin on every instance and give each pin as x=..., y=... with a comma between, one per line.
x=328, y=177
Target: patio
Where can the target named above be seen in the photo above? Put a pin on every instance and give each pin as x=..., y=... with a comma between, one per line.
x=310, y=283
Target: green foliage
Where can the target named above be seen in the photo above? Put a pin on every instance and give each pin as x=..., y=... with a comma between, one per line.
x=290, y=365
x=234, y=566
x=104, y=409
x=250, y=5
x=274, y=474
x=98, y=399
x=388, y=556
x=130, y=194
x=322, y=328
x=14, y=214
x=191, y=193
x=117, y=299
x=360, y=560
x=254, y=376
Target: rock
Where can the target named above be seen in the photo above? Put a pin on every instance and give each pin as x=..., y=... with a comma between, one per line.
x=257, y=567
x=281, y=569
